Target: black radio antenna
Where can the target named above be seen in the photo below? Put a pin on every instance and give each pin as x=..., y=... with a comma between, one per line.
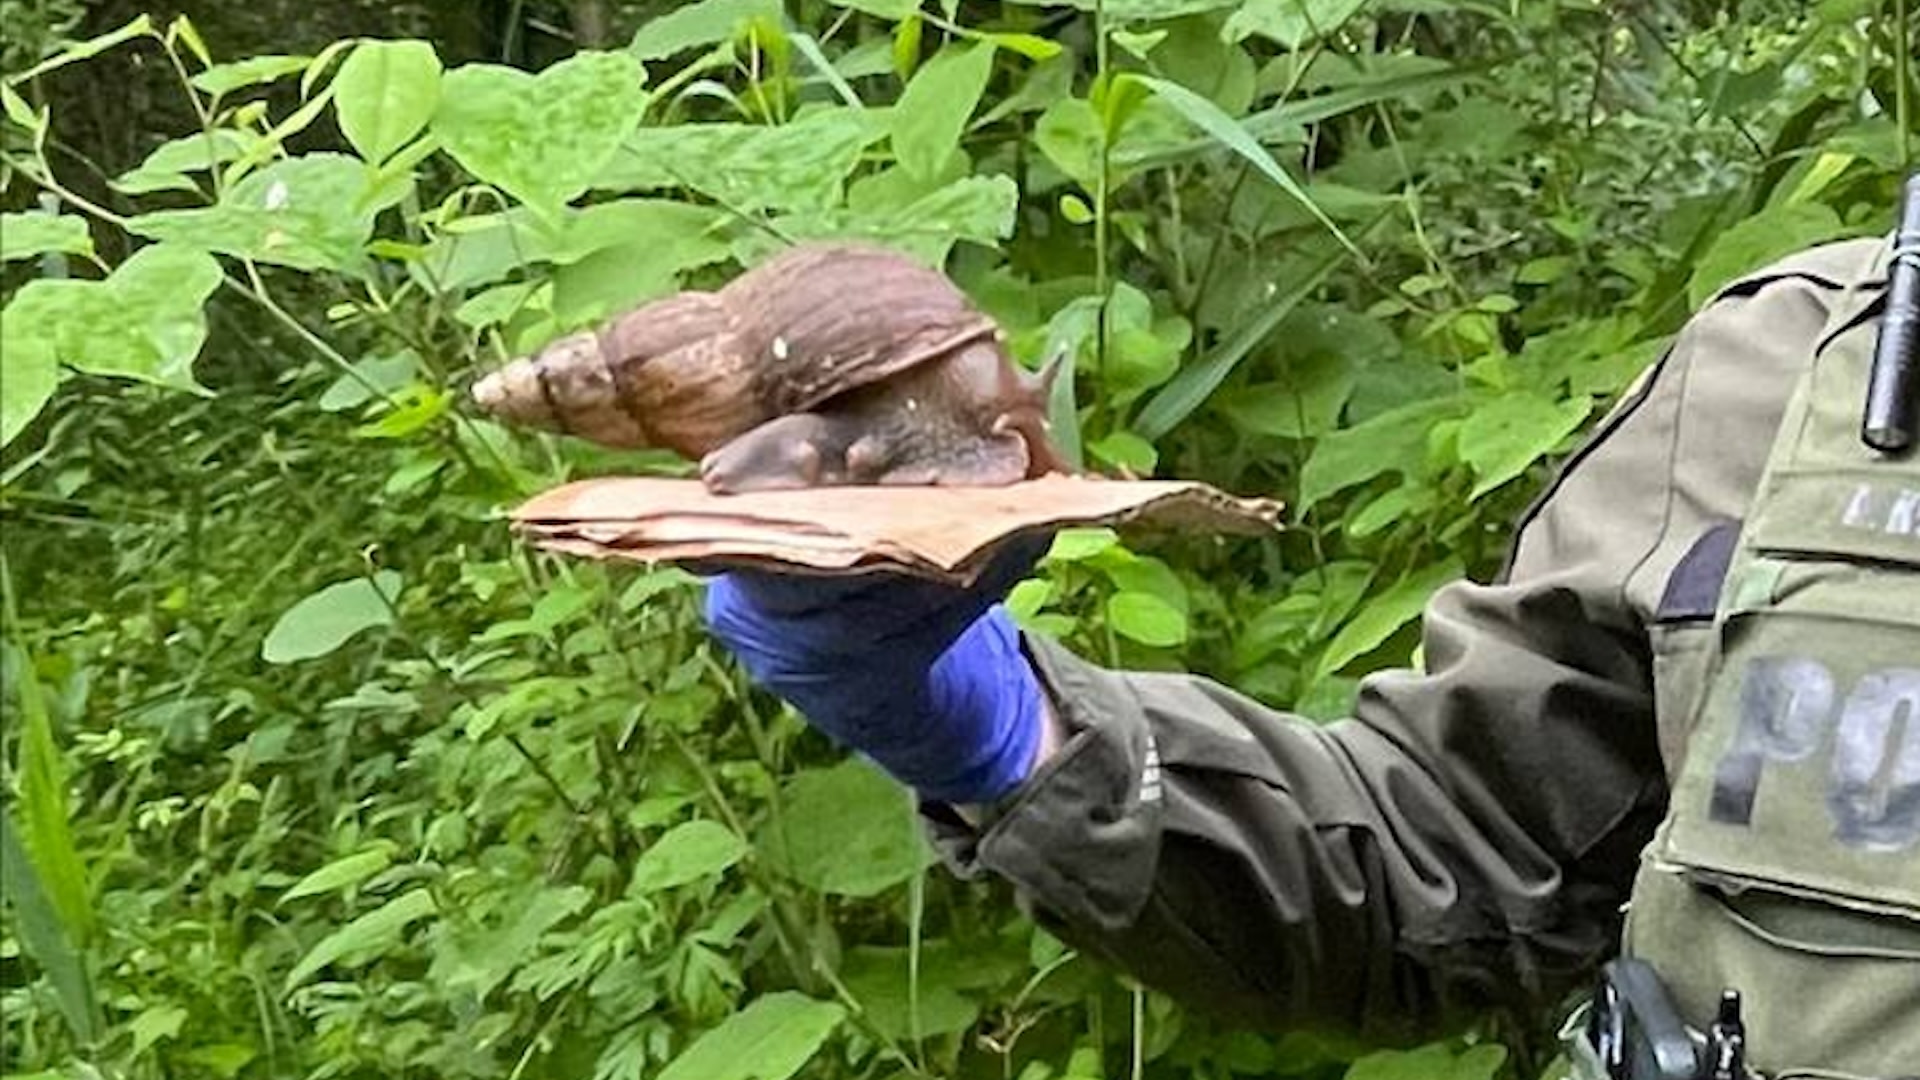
x=1893, y=389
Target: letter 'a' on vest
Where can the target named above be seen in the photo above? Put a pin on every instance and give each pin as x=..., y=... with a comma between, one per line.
x=1788, y=866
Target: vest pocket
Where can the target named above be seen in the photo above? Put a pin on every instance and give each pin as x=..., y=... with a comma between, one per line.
x=1789, y=863
x=1826, y=991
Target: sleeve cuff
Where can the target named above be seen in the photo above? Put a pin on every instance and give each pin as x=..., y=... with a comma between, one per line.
x=1081, y=836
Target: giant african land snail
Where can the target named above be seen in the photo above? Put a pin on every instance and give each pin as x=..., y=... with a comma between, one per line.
x=829, y=364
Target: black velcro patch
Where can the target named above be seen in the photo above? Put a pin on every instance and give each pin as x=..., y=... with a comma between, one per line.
x=1693, y=589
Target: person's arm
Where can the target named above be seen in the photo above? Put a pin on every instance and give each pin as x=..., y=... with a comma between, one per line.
x=1468, y=838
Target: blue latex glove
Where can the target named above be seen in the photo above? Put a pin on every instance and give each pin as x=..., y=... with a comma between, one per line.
x=926, y=679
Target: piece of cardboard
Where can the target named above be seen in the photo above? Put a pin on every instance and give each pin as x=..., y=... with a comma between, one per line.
x=941, y=532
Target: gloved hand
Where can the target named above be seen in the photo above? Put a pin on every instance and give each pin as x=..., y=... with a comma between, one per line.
x=924, y=678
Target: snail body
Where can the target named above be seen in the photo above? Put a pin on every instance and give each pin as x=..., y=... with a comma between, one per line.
x=968, y=418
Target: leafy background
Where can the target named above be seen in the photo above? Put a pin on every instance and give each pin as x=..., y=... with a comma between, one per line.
x=313, y=771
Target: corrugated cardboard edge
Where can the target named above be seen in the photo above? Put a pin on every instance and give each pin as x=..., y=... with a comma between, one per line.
x=934, y=531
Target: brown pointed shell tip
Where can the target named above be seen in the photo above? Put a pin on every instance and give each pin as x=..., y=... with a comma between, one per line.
x=565, y=387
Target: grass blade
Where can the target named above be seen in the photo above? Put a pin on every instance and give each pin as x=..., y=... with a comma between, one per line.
x=1189, y=389
x=1209, y=118
x=48, y=838
x=43, y=936
x=810, y=49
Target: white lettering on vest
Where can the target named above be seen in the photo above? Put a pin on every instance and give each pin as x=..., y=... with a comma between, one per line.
x=1787, y=712
x=1890, y=510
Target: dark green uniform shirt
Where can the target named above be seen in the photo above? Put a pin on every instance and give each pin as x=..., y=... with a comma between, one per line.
x=1469, y=837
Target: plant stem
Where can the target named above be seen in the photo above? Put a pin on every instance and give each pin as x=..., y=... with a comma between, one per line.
x=1903, y=82
x=916, y=917
x=1137, y=1067
x=1102, y=190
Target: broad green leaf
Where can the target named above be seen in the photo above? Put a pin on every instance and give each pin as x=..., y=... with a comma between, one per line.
x=1125, y=448
x=154, y=1025
x=1382, y=615
x=770, y=1039
x=1305, y=402
x=1131, y=573
x=1388, y=508
x=980, y=209
x=365, y=937
x=1500, y=438
x=1207, y=116
x=18, y=111
x=477, y=960
x=342, y=873
x=411, y=411
x=1195, y=56
x=932, y=112
x=1435, y=1061
x=328, y=619
x=847, y=830
x=253, y=71
x=543, y=138
x=37, y=926
x=1069, y=134
x=502, y=304
x=1143, y=349
x=1026, y=598
x=690, y=26
x=372, y=375
x=1293, y=23
x=687, y=853
x=25, y=235
x=313, y=212
x=167, y=167
x=615, y=255
x=1147, y=619
x=144, y=321
x=385, y=94
x=1075, y=545
x=483, y=249
x=1394, y=441
x=1195, y=383
x=1752, y=244
x=880, y=979
x=29, y=372
x=800, y=165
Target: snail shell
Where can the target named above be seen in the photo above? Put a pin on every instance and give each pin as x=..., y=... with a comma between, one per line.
x=694, y=371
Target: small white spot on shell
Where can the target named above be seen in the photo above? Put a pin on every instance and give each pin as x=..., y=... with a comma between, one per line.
x=779, y=348
x=912, y=404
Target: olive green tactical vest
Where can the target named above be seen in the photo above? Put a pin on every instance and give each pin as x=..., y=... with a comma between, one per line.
x=1789, y=863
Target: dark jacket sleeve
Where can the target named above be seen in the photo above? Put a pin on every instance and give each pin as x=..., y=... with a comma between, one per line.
x=1467, y=839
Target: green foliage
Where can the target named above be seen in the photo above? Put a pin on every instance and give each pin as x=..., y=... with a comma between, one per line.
x=331, y=617
x=768, y=1040
x=271, y=814
x=541, y=138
